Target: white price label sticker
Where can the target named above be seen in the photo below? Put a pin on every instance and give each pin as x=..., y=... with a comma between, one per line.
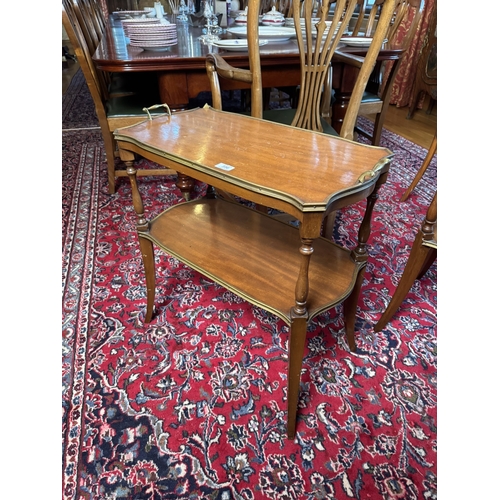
x=224, y=166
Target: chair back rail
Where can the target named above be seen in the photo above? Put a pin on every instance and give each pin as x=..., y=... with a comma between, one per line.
x=316, y=49
x=317, y=43
x=216, y=66
x=361, y=17
x=367, y=64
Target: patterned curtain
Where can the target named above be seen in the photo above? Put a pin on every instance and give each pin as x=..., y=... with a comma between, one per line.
x=401, y=91
x=104, y=7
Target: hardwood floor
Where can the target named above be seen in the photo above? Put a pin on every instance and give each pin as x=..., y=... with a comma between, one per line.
x=420, y=129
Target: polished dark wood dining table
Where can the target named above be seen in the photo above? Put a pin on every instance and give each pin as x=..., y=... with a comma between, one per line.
x=181, y=71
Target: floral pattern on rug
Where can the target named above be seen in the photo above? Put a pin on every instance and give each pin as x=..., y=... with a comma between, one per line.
x=193, y=404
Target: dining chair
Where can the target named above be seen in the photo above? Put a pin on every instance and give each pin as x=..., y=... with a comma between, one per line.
x=421, y=171
x=375, y=100
x=317, y=46
x=423, y=254
x=112, y=111
x=92, y=24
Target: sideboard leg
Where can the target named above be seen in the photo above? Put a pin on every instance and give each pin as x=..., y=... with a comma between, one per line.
x=296, y=345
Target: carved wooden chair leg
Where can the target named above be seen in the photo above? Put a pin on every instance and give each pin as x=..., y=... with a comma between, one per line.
x=413, y=105
x=142, y=224
x=429, y=260
x=422, y=169
x=417, y=261
x=148, y=259
x=296, y=344
x=430, y=106
x=350, y=307
x=360, y=256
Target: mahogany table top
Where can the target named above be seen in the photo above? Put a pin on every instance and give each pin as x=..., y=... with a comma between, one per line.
x=114, y=55
x=305, y=170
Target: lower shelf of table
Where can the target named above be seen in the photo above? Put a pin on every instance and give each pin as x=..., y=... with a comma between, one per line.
x=253, y=255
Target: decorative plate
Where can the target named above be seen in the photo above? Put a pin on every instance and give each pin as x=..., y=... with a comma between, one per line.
x=268, y=33
x=235, y=45
x=356, y=41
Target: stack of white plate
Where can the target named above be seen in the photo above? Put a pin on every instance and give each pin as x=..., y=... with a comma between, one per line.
x=268, y=33
x=126, y=23
x=155, y=37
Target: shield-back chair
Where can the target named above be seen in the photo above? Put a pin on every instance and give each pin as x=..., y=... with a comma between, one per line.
x=113, y=111
x=317, y=46
x=375, y=100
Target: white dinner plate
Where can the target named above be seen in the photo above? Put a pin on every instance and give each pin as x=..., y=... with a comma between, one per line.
x=353, y=41
x=235, y=45
x=154, y=48
x=269, y=33
x=141, y=20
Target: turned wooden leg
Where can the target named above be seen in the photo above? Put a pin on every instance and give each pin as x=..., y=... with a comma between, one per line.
x=296, y=345
x=110, y=147
x=185, y=184
x=302, y=285
x=360, y=256
x=309, y=230
x=146, y=246
x=329, y=225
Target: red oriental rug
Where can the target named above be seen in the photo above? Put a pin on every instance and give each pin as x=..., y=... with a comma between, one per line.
x=191, y=406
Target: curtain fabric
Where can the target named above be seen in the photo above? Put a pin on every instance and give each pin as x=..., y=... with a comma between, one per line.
x=104, y=7
x=401, y=90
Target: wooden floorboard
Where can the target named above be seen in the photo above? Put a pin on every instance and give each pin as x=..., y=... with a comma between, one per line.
x=420, y=129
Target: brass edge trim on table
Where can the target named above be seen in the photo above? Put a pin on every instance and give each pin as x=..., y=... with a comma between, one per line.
x=260, y=190
x=287, y=319
x=357, y=268
x=243, y=295
x=202, y=271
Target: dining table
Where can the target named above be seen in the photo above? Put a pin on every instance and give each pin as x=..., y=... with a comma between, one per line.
x=181, y=71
